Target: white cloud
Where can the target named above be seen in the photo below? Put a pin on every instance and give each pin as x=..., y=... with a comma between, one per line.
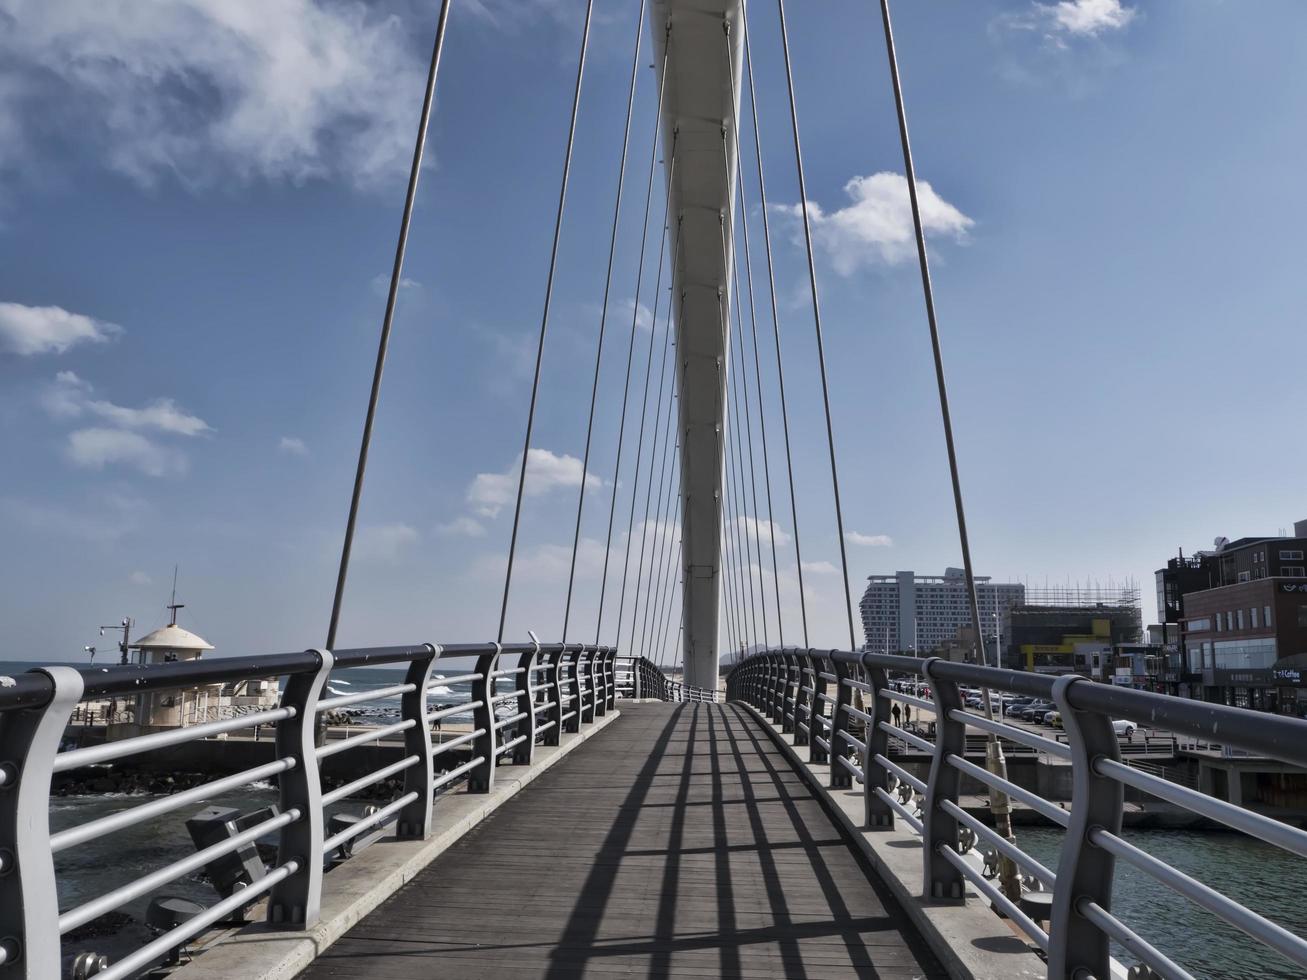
x=197, y=89
x=489, y=493
x=763, y=530
x=292, y=446
x=466, y=527
x=107, y=516
x=96, y=448
x=820, y=568
x=139, y=578
x=70, y=398
x=384, y=542
x=1085, y=18
x=869, y=540
x=28, y=330
x=381, y=284
x=877, y=226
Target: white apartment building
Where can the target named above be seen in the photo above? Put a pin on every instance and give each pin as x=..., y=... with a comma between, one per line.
x=914, y=614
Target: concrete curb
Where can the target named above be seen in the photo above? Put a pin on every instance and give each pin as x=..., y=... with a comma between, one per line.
x=970, y=941
x=355, y=888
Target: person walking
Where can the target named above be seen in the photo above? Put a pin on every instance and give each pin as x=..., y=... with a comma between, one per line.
x=895, y=714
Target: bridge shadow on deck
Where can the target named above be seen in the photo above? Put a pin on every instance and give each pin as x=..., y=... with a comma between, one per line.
x=676, y=843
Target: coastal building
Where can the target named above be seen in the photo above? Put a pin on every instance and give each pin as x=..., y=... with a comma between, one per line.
x=1241, y=612
x=910, y=613
x=1077, y=633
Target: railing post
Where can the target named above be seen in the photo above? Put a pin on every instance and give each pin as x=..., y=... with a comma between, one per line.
x=775, y=710
x=941, y=879
x=572, y=660
x=554, y=733
x=816, y=754
x=586, y=667
x=610, y=664
x=598, y=683
x=294, y=901
x=789, y=709
x=482, y=777
x=29, y=903
x=840, y=778
x=1077, y=947
x=524, y=752
x=637, y=679
x=415, y=819
x=880, y=815
x=802, y=700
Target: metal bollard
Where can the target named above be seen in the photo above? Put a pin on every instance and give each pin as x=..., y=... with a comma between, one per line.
x=482, y=777
x=940, y=878
x=415, y=819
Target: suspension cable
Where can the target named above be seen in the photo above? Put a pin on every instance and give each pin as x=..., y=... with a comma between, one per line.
x=753, y=330
x=748, y=608
x=742, y=502
x=630, y=348
x=635, y=487
x=396, y=277
x=653, y=608
x=1008, y=873
x=673, y=575
x=748, y=444
x=816, y=318
x=603, y=315
x=776, y=327
x=664, y=466
x=676, y=581
x=544, y=317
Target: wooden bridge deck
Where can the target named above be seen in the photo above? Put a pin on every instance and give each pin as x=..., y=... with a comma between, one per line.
x=676, y=843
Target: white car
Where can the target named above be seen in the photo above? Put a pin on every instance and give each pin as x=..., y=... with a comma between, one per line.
x=1122, y=727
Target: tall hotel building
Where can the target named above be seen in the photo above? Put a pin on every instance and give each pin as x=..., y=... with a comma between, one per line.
x=909, y=613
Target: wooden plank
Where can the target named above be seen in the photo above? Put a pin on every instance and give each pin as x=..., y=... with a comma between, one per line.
x=676, y=843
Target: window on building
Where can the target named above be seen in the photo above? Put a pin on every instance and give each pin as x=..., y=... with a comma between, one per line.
x=1266, y=615
x=1290, y=556
x=1198, y=626
x=1239, y=618
x=1293, y=571
x=1220, y=622
x=1245, y=576
x=1255, y=617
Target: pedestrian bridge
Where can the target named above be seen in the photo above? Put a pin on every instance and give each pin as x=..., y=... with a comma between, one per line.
x=600, y=819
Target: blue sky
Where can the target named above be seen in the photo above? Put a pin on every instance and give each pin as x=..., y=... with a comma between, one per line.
x=198, y=210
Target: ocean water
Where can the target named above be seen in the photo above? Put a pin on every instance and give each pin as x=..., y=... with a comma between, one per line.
x=1266, y=879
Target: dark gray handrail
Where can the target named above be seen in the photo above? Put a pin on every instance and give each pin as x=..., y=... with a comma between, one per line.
x=1082, y=925
x=516, y=703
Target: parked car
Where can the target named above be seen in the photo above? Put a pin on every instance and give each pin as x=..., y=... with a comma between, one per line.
x=1122, y=727
x=1036, y=710
x=1014, y=708
x=1053, y=719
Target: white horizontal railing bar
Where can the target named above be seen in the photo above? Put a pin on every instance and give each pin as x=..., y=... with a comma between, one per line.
x=372, y=778
x=885, y=692
x=914, y=740
x=129, y=965
x=344, y=700
x=853, y=740
x=1036, y=803
x=126, y=818
x=460, y=678
x=375, y=735
x=987, y=833
x=545, y=706
x=570, y=714
x=368, y=822
x=454, y=743
x=858, y=685
x=1012, y=732
x=507, y=672
x=1155, y=959
x=902, y=773
x=823, y=743
x=1272, y=831
x=446, y=778
x=544, y=727
x=827, y=677
x=848, y=764
x=510, y=720
x=97, y=907
x=95, y=754
x=865, y=718
x=510, y=744
x=1259, y=927
x=1027, y=925
x=453, y=709
x=908, y=816
x=506, y=695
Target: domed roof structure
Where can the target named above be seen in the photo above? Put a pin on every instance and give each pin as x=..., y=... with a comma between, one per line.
x=172, y=638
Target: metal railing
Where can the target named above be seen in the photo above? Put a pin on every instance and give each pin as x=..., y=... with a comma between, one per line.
x=640, y=677
x=521, y=695
x=813, y=695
